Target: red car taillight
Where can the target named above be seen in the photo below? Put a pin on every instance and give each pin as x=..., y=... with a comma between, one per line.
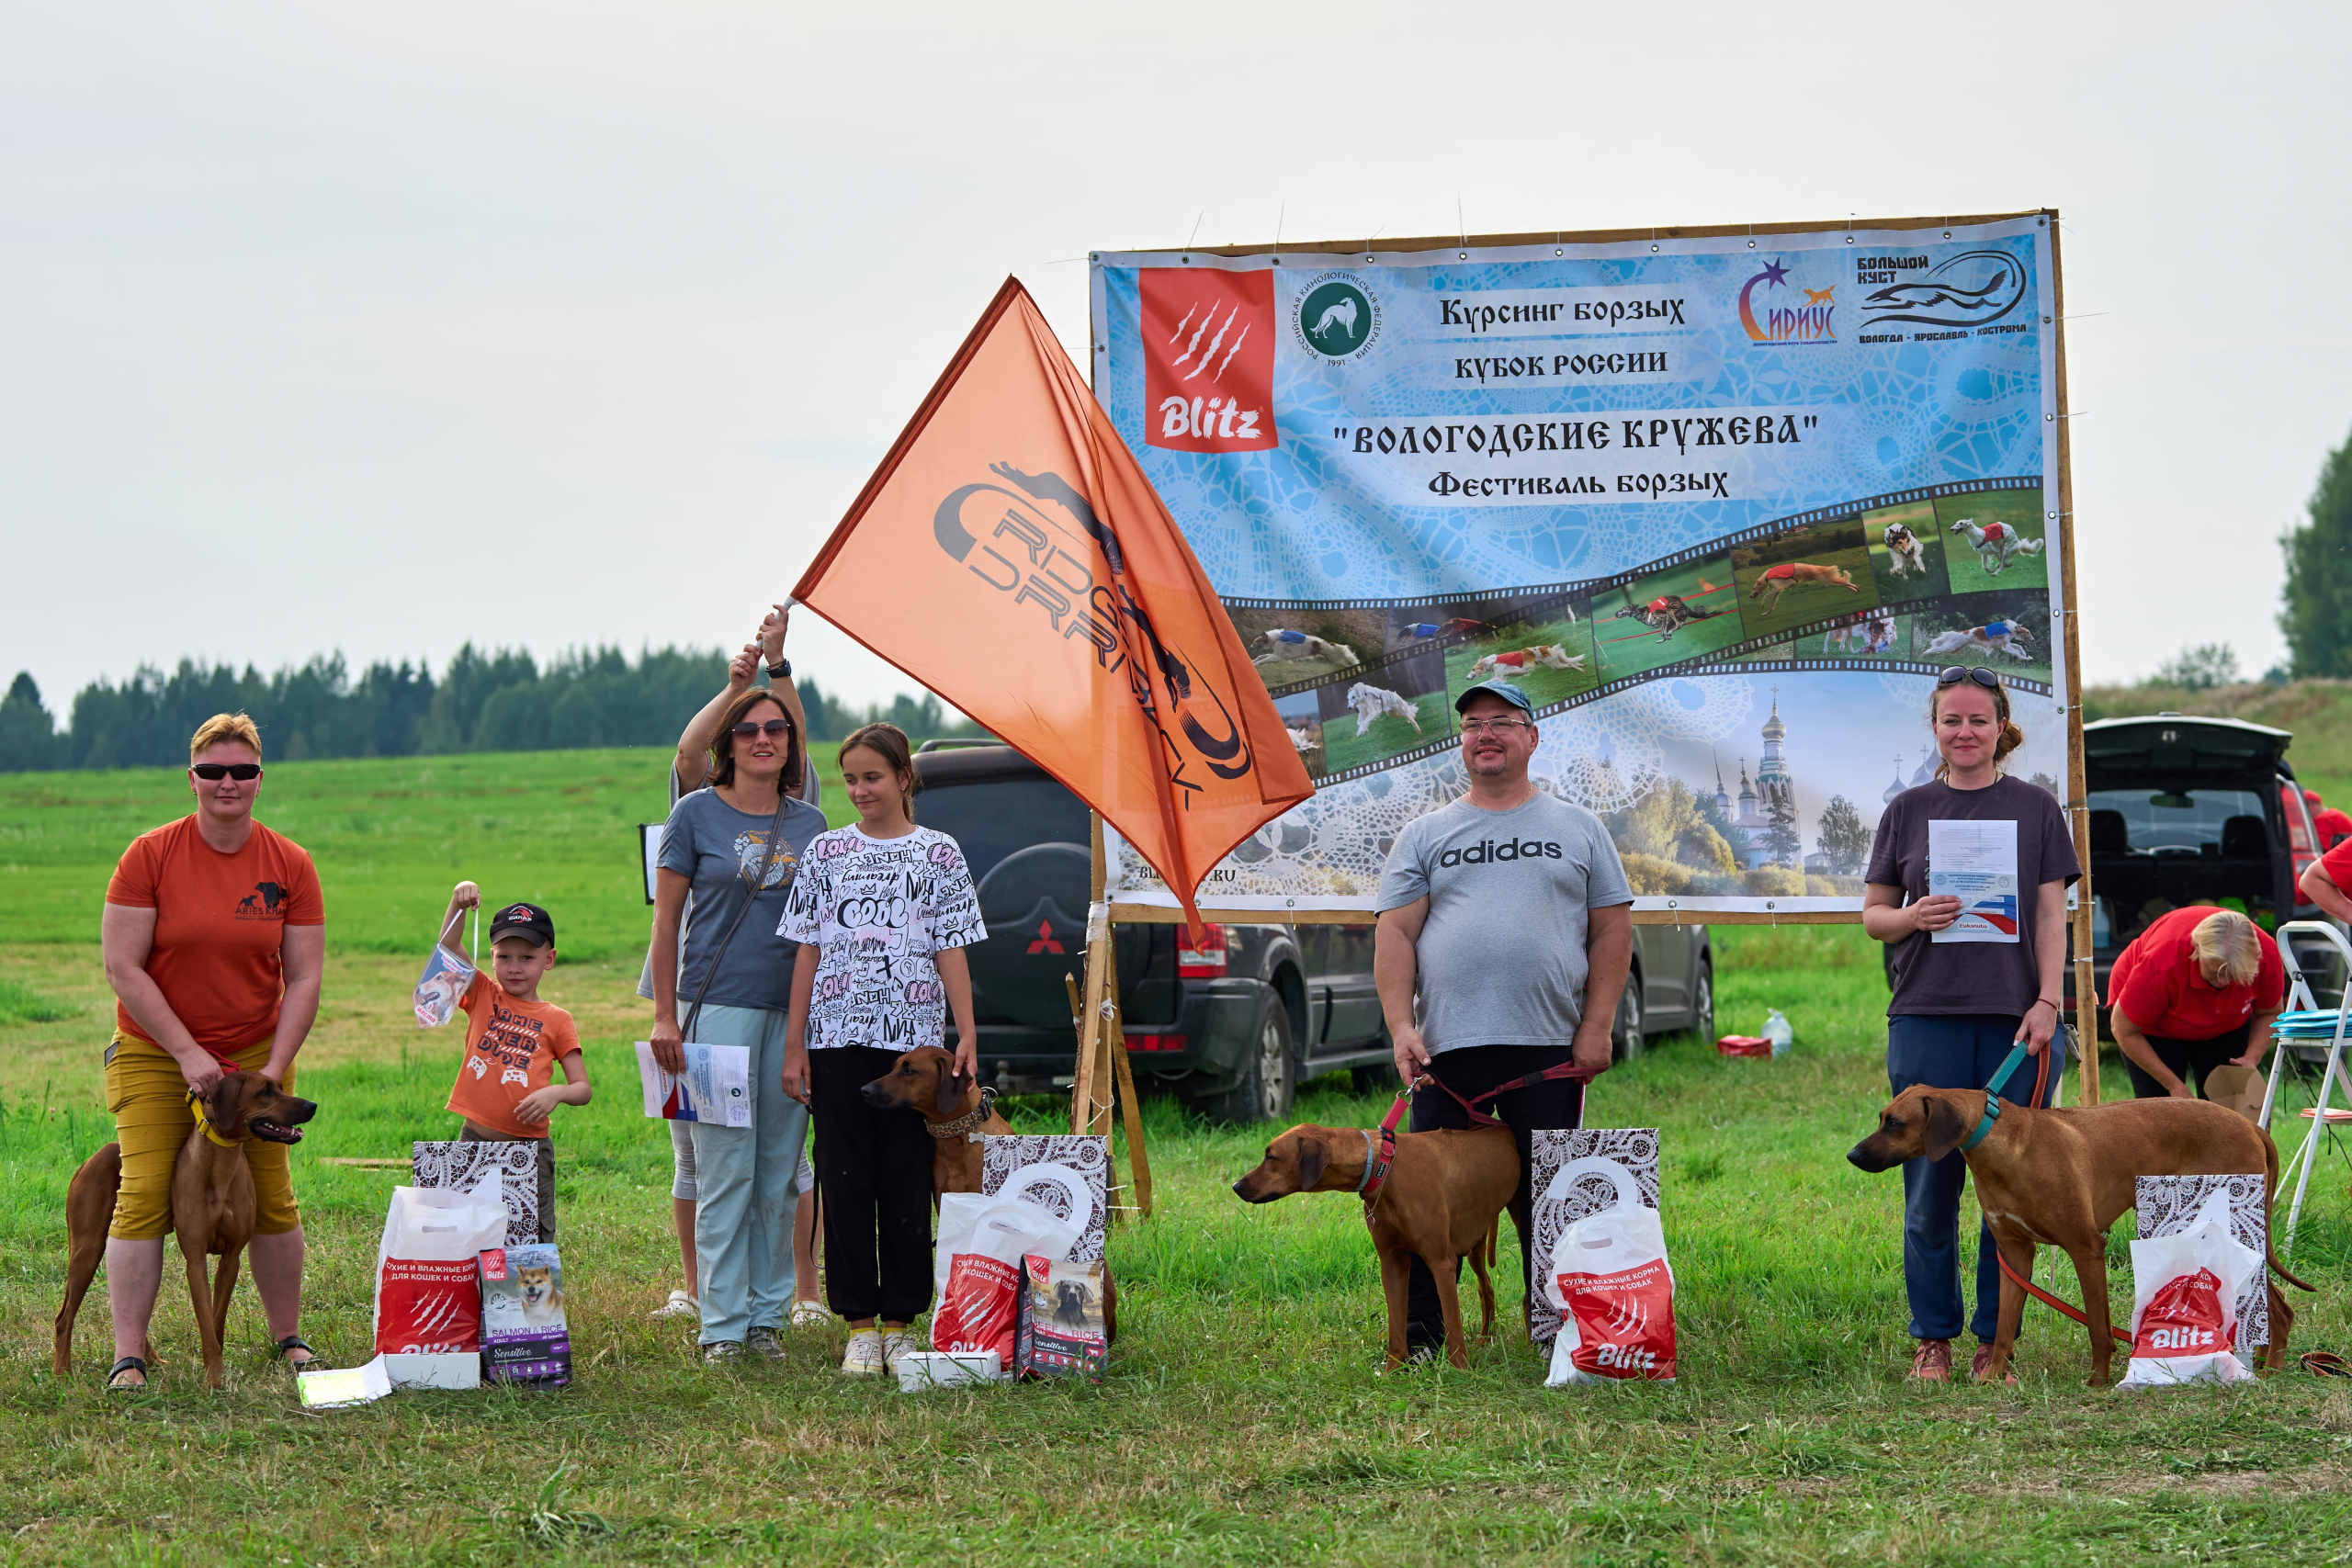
x=1155, y=1042
x=1205, y=961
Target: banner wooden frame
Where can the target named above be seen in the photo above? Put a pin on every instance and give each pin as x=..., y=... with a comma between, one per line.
x=1339, y=253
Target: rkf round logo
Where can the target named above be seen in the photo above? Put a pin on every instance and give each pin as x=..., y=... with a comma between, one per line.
x=1337, y=316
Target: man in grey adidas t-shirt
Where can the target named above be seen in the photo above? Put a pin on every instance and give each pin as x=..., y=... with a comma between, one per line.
x=1510, y=913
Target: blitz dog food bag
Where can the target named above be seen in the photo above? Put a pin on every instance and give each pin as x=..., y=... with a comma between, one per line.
x=1615, y=1291
x=1061, y=1333
x=2184, y=1307
x=428, y=1295
x=976, y=1267
x=524, y=1338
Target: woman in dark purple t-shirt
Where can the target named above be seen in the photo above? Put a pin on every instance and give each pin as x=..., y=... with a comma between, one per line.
x=1964, y=996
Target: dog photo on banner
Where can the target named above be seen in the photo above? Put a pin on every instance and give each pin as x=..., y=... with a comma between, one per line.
x=1566, y=1189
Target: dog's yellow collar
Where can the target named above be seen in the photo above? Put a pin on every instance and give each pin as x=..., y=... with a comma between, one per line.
x=197, y=1105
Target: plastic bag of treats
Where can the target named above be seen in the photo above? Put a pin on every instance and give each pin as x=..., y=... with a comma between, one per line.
x=1062, y=1331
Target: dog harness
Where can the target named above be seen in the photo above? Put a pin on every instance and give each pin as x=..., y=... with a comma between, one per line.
x=196, y=1105
x=966, y=1121
x=1379, y=1157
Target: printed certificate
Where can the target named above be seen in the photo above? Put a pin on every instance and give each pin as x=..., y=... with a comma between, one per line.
x=1977, y=863
x=716, y=1086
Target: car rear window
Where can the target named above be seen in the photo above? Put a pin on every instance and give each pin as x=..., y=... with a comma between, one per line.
x=992, y=821
x=2160, y=821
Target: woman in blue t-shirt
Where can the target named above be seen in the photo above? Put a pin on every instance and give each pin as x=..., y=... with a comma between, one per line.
x=1959, y=1006
x=732, y=984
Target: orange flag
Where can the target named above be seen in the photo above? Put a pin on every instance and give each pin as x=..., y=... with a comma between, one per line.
x=1010, y=555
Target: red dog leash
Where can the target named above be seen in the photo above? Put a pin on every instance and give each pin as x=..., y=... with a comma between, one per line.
x=1379, y=1155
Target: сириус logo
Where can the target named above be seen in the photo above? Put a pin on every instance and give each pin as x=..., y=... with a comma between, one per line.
x=1788, y=323
x=1971, y=290
x=1338, y=318
x=1208, y=359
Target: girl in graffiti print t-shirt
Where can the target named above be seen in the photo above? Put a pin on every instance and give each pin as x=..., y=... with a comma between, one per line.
x=883, y=912
x=878, y=909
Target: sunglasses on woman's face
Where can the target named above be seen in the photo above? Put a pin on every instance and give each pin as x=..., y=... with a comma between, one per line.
x=213, y=773
x=775, y=726
x=1954, y=673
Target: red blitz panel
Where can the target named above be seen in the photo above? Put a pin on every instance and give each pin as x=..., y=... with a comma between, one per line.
x=1208, y=353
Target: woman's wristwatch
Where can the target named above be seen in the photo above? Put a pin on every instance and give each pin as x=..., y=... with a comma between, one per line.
x=780, y=670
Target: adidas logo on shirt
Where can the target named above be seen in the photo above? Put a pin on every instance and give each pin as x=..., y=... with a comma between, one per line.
x=1486, y=851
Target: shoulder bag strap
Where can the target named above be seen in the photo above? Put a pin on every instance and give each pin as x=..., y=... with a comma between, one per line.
x=775, y=837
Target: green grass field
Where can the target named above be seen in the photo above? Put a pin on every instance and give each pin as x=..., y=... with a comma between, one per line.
x=1543, y=684
x=2021, y=510
x=1243, y=1421
x=1626, y=648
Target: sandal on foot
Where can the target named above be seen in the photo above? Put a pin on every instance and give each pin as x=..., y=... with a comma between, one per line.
x=128, y=1364
x=296, y=1342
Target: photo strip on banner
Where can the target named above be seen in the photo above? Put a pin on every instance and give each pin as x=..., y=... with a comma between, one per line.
x=1721, y=507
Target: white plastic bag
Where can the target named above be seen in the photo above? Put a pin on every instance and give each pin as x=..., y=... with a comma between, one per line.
x=2184, y=1302
x=976, y=1269
x=1615, y=1291
x=428, y=1318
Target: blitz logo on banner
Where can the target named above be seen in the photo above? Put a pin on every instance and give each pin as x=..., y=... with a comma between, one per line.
x=1208, y=356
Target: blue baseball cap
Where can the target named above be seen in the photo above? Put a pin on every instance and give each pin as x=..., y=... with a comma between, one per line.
x=1502, y=689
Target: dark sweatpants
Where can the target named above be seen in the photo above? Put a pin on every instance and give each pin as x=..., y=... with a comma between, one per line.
x=1470, y=1071
x=2190, y=1060
x=874, y=1171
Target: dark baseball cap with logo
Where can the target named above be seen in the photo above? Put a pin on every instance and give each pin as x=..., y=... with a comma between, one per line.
x=1502, y=689
x=528, y=921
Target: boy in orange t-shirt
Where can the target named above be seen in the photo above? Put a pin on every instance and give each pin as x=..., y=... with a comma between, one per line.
x=505, y=1089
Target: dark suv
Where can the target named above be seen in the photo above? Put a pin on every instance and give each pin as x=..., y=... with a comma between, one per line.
x=1232, y=1026
x=2189, y=810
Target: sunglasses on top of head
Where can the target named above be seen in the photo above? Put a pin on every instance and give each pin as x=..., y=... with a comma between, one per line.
x=1954, y=673
x=213, y=773
x=775, y=726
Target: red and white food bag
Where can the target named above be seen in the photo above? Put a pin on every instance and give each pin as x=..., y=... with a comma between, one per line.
x=428, y=1296
x=976, y=1268
x=2184, y=1302
x=1615, y=1291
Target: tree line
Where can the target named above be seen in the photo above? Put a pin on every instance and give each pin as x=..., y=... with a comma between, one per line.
x=484, y=700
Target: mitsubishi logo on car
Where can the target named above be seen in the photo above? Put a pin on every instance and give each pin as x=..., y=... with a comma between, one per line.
x=1044, y=941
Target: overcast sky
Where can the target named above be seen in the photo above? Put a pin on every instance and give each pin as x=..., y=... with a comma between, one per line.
x=379, y=327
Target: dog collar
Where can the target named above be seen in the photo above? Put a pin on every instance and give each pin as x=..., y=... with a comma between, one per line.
x=1991, y=1101
x=970, y=1120
x=196, y=1105
x=1378, y=1157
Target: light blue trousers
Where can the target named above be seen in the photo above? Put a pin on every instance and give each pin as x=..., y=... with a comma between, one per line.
x=746, y=1186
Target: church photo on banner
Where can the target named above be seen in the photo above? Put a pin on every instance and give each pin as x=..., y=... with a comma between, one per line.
x=1721, y=506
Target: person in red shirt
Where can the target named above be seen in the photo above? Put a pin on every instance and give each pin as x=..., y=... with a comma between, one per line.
x=2332, y=826
x=214, y=939
x=2198, y=989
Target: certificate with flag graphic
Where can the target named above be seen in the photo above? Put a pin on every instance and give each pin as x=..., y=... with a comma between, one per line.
x=1977, y=863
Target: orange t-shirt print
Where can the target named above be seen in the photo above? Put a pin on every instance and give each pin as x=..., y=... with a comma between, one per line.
x=219, y=922
x=512, y=1048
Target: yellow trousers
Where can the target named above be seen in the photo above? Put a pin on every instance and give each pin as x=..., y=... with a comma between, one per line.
x=153, y=1119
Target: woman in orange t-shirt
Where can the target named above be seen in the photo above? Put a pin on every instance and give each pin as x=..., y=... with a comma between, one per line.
x=214, y=937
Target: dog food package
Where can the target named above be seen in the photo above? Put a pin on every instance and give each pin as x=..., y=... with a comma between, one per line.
x=428, y=1294
x=523, y=1338
x=1061, y=1333
x=2184, y=1302
x=976, y=1268
x=441, y=987
x=1574, y=1175
x=1615, y=1294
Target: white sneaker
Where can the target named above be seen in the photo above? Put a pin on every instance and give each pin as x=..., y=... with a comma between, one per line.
x=863, y=1357
x=897, y=1346
x=680, y=1304
x=810, y=1314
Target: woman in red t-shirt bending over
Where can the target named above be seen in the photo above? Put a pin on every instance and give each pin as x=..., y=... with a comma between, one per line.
x=2195, y=990
x=214, y=939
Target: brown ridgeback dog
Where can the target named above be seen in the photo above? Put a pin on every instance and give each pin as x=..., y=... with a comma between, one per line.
x=925, y=1081
x=2062, y=1177
x=1441, y=1202
x=212, y=1206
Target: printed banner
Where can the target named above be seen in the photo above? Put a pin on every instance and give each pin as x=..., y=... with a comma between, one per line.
x=1722, y=507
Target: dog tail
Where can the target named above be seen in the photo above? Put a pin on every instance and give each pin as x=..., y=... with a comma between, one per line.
x=2280, y=1270
x=1495, y=1242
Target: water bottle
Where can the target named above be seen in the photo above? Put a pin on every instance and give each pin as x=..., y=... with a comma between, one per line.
x=1777, y=1030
